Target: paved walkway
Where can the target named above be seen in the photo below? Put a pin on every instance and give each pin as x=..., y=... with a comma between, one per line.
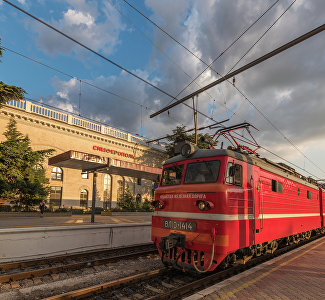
x=298, y=275
x=14, y=222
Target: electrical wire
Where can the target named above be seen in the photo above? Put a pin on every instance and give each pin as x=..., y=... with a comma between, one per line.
x=277, y=129
x=138, y=77
x=162, y=52
x=264, y=33
x=89, y=49
x=71, y=76
x=209, y=66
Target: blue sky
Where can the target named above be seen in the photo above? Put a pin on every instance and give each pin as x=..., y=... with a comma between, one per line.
x=289, y=89
x=34, y=78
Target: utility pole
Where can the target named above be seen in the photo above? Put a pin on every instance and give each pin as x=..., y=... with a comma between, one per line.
x=93, y=202
x=195, y=110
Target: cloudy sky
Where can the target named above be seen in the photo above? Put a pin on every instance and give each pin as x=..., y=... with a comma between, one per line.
x=287, y=89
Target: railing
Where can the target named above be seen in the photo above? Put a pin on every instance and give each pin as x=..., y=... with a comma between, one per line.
x=17, y=103
x=77, y=121
x=50, y=113
x=72, y=120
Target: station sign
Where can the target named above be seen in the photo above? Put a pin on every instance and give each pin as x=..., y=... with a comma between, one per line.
x=107, y=150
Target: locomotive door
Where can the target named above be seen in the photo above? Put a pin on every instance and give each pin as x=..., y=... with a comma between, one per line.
x=258, y=206
x=321, y=207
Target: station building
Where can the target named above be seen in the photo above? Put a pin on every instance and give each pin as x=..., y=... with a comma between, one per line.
x=49, y=128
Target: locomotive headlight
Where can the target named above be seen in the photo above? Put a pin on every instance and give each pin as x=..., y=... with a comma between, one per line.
x=158, y=204
x=204, y=205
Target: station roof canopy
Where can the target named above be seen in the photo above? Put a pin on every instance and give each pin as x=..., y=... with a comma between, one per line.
x=90, y=162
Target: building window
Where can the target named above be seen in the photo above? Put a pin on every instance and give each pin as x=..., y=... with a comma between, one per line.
x=120, y=188
x=274, y=186
x=280, y=187
x=56, y=195
x=84, y=198
x=309, y=195
x=84, y=175
x=298, y=191
x=57, y=174
x=139, y=181
x=37, y=167
x=107, y=191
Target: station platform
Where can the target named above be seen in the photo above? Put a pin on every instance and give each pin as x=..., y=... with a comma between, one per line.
x=299, y=275
x=18, y=222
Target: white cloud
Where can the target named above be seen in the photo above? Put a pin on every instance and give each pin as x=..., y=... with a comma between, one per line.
x=96, y=27
x=73, y=17
x=288, y=88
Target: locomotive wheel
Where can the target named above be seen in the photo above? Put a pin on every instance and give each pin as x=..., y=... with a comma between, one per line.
x=272, y=246
x=259, y=249
x=225, y=263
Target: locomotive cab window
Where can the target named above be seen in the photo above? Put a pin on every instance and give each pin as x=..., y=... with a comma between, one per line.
x=172, y=175
x=234, y=174
x=230, y=173
x=309, y=195
x=274, y=185
x=202, y=172
x=238, y=176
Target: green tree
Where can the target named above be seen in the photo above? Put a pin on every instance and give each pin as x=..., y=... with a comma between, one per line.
x=127, y=202
x=9, y=92
x=180, y=135
x=22, y=177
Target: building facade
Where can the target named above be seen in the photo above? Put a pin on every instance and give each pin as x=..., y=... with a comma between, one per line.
x=48, y=128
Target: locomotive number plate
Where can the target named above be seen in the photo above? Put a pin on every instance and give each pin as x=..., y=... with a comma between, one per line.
x=180, y=225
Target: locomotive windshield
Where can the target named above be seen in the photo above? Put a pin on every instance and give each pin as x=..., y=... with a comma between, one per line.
x=172, y=175
x=202, y=172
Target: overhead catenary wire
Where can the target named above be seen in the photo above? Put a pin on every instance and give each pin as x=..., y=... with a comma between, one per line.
x=71, y=76
x=80, y=80
x=245, y=54
x=89, y=49
x=124, y=69
x=85, y=82
x=93, y=51
x=208, y=66
x=162, y=52
x=246, y=67
x=96, y=53
x=87, y=118
x=264, y=33
x=278, y=130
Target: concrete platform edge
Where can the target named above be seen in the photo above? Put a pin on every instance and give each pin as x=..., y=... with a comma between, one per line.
x=229, y=281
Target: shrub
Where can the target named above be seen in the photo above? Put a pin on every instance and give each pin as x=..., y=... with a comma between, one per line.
x=146, y=206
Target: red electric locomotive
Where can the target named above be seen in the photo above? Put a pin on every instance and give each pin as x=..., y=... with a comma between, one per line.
x=218, y=207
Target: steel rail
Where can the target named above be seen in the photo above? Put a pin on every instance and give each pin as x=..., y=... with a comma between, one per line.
x=214, y=278
x=58, y=258
x=245, y=67
x=111, y=284
x=73, y=266
x=176, y=293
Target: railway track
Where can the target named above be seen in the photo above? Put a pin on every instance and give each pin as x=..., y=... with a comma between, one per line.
x=13, y=273
x=165, y=283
